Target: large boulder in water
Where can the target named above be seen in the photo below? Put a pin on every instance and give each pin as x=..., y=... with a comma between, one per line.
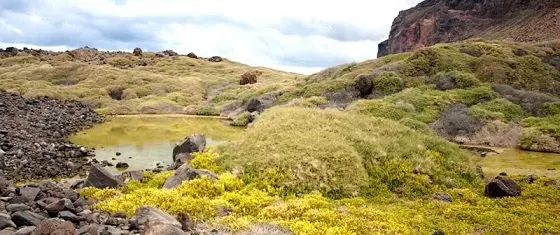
x=100, y=178
x=191, y=144
x=502, y=187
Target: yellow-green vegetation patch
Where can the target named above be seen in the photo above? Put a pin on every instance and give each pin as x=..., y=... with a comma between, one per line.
x=249, y=203
x=343, y=154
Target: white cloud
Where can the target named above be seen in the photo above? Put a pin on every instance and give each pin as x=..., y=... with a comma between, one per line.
x=301, y=36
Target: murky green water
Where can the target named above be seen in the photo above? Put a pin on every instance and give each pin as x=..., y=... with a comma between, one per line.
x=517, y=162
x=145, y=141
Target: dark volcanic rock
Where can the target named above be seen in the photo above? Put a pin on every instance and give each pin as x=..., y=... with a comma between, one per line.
x=5, y=222
x=192, y=55
x=185, y=172
x=191, y=144
x=55, y=207
x=26, y=218
x=364, y=84
x=255, y=105
x=248, y=78
x=33, y=136
x=54, y=226
x=122, y=165
x=29, y=193
x=100, y=178
x=17, y=207
x=215, y=59
x=502, y=187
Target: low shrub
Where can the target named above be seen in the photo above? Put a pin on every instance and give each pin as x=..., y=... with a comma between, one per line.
x=499, y=109
x=531, y=101
x=456, y=121
x=343, y=154
x=241, y=119
x=455, y=80
x=387, y=83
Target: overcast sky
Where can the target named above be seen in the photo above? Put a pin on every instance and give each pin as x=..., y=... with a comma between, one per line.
x=301, y=36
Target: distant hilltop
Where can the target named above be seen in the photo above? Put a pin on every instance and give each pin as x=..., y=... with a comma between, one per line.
x=121, y=59
x=436, y=21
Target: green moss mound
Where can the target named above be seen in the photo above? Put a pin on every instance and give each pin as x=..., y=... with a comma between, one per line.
x=344, y=154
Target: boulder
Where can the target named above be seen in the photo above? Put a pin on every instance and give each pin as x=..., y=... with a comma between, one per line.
x=443, y=197
x=55, y=207
x=17, y=207
x=192, y=55
x=25, y=230
x=364, y=84
x=137, y=51
x=8, y=231
x=109, y=230
x=255, y=105
x=67, y=215
x=29, y=193
x=163, y=229
x=170, y=53
x=6, y=222
x=26, y=218
x=502, y=187
x=122, y=165
x=191, y=144
x=248, y=78
x=100, y=178
x=147, y=215
x=186, y=172
x=160, y=55
x=54, y=226
x=215, y=59
x=133, y=175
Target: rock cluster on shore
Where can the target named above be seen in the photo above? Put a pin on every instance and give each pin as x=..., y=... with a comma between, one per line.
x=32, y=137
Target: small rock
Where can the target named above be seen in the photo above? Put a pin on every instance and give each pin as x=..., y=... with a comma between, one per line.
x=30, y=193
x=443, y=197
x=133, y=175
x=163, y=229
x=121, y=215
x=483, y=154
x=67, y=215
x=137, y=51
x=26, y=218
x=502, y=187
x=6, y=222
x=551, y=169
x=100, y=178
x=25, y=230
x=192, y=55
x=215, y=59
x=118, y=154
x=17, y=207
x=89, y=229
x=530, y=179
x=56, y=207
x=55, y=226
x=109, y=230
x=122, y=165
x=8, y=231
x=503, y=174
x=438, y=232
x=146, y=215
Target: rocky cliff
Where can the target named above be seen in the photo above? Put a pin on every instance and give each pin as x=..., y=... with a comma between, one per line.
x=435, y=21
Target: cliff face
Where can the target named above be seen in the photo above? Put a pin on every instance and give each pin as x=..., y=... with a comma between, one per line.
x=435, y=21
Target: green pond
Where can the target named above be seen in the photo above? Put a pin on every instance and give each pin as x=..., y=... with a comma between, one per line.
x=148, y=140
x=518, y=162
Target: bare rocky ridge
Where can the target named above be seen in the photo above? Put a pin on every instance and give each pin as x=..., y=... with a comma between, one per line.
x=437, y=21
x=32, y=137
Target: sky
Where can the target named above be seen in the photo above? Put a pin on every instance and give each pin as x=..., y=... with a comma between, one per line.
x=302, y=36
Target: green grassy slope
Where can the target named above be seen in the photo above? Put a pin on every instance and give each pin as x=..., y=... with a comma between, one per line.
x=176, y=84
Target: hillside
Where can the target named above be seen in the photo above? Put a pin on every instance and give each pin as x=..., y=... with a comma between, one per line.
x=473, y=92
x=438, y=21
x=124, y=83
